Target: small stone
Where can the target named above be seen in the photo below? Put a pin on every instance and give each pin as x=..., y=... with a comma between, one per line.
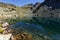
x=45, y=36
x=5, y=24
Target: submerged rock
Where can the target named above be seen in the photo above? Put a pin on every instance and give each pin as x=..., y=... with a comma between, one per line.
x=26, y=31
x=56, y=36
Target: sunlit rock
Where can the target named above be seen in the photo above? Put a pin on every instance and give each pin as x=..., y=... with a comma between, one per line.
x=5, y=37
x=5, y=24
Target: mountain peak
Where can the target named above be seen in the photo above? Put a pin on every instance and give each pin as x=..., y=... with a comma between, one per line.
x=53, y=3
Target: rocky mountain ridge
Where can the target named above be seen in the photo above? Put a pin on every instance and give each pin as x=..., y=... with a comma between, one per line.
x=10, y=11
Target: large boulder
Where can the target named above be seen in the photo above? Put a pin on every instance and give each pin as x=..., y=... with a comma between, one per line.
x=5, y=37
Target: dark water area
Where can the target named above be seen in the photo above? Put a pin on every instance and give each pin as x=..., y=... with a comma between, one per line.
x=53, y=28
x=38, y=32
x=31, y=27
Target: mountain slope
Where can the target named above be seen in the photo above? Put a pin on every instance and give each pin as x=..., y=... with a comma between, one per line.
x=10, y=12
